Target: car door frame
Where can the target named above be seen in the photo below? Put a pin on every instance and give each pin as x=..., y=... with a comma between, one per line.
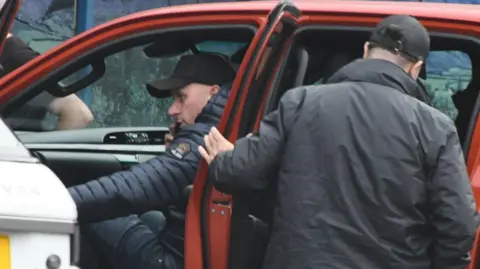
x=207, y=229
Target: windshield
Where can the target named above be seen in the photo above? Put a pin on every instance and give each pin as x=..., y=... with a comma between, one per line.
x=9, y=144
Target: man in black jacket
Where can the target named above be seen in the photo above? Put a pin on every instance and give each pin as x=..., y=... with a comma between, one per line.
x=72, y=113
x=370, y=176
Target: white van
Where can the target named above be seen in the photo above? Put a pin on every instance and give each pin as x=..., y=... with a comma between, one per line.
x=38, y=227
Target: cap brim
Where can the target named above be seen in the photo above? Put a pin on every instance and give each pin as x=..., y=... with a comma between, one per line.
x=162, y=88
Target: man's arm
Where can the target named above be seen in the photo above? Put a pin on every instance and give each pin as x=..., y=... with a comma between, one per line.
x=150, y=185
x=247, y=164
x=15, y=54
x=71, y=111
x=454, y=214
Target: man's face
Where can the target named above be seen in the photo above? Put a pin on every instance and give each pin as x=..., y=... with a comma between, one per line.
x=189, y=102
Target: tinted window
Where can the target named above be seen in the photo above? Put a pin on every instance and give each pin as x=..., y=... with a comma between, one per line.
x=119, y=98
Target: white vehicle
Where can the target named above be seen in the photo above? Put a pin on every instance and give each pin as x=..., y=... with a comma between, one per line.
x=38, y=227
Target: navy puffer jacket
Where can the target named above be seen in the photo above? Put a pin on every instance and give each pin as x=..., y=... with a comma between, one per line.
x=156, y=183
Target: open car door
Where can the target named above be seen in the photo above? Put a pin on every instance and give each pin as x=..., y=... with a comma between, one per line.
x=473, y=168
x=9, y=9
x=219, y=234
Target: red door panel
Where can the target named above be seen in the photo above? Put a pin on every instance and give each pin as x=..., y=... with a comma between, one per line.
x=473, y=168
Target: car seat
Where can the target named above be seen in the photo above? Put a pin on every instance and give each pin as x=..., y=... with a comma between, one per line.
x=330, y=64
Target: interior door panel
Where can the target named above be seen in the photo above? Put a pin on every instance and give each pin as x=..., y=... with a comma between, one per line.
x=77, y=156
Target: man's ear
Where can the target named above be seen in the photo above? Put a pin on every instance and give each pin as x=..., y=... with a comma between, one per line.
x=365, y=50
x=415, y=69
x=214, y=90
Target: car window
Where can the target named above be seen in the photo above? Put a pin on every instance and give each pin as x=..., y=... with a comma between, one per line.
x=9, y=144
x=227, y=48
x=119, y=98
x=447, y=73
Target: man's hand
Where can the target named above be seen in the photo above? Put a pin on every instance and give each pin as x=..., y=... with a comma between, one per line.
x=170, y=135
x=214, y=143
x=71, y=111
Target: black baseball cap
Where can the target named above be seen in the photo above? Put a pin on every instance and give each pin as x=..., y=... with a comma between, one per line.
x=203, y=68
x=402, y=34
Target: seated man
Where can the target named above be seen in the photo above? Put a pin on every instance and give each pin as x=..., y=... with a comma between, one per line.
x=72, y=113
x=127, y=242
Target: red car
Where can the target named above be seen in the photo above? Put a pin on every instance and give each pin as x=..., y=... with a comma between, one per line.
x=286, y=45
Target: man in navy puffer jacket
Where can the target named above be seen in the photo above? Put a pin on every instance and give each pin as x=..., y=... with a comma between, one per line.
x=105, y=205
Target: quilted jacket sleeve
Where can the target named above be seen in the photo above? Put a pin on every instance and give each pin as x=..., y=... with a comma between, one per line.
x=157, y=182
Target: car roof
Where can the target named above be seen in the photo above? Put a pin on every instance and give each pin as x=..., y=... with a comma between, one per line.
x=448, y=11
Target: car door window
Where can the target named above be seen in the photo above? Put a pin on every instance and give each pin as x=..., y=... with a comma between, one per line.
x=119, y=98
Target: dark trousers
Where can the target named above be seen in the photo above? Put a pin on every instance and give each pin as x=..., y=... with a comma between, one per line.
x=126, y=243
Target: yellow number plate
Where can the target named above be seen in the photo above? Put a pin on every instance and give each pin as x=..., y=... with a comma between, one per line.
x=4, y=252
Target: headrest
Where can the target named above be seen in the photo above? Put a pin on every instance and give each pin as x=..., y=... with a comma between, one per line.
x=336, y=61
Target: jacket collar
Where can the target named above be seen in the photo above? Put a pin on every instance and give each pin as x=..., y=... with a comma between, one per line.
x=380, y=72
x=213, y=111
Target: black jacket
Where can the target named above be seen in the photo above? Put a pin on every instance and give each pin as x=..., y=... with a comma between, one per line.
x=370, y=177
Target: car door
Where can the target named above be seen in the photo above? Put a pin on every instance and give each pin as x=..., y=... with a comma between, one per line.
x=213, y=218
x=8, y=11
x=473, y=166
